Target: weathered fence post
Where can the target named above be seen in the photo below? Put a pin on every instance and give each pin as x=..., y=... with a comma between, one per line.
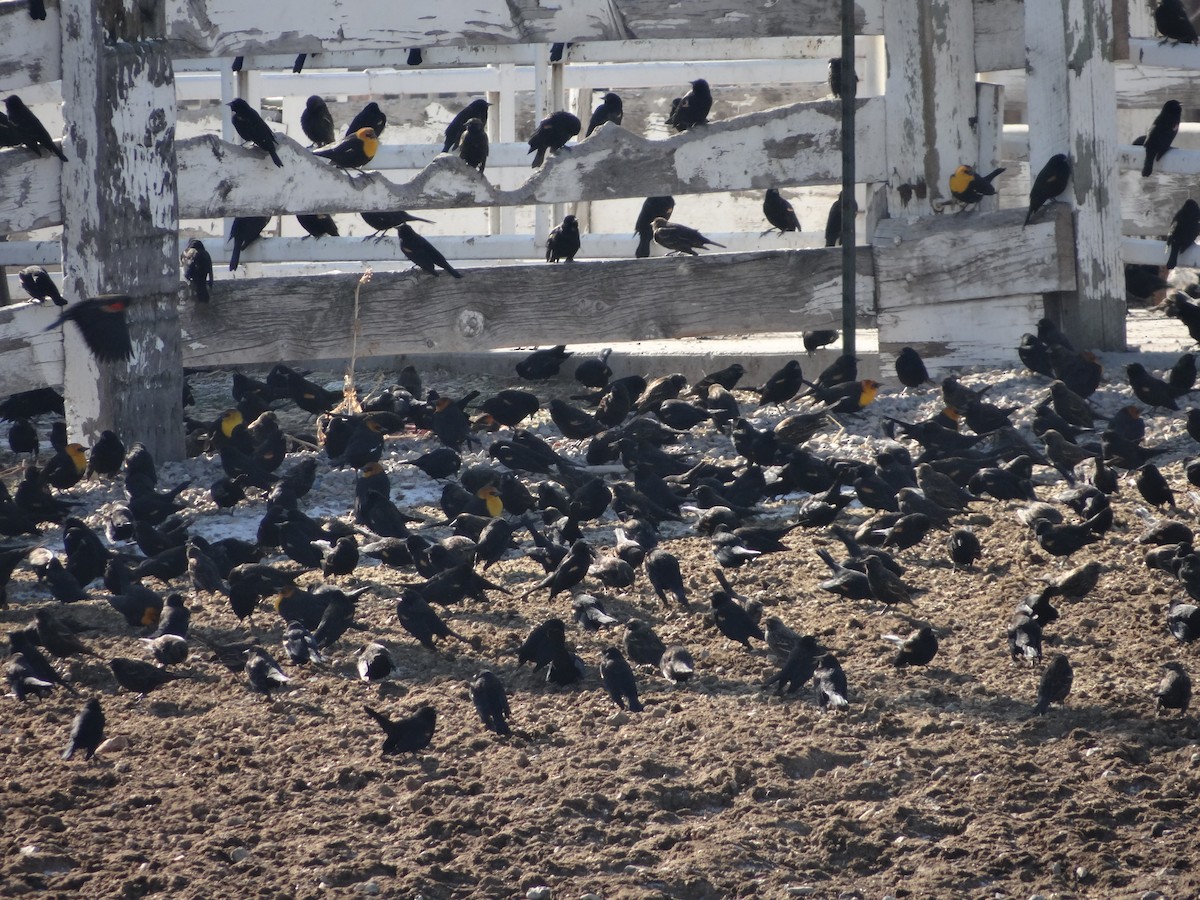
x=121, y=222
x=1072, y=105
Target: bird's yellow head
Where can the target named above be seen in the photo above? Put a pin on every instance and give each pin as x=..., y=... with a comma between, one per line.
x=150, y=616
x=491, y=499
x=369, y=139
x=77, y=455
x=231, y=419
x=869, y=391
x=370, y=470
x=961, y=179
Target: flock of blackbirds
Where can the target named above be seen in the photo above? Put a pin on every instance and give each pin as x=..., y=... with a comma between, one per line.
x=631, y=468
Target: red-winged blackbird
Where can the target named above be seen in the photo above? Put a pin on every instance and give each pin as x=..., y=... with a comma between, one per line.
x=34, y=133
x=476, y=109
x=1185, y=228
x=1050, y=182
x=319, y=225
x=423, y=254
x=250, y=127
x=197, y=268
x=473, y=145
x=543, y=364
x=563, y=242
x=244, y=231
x=1162, y=133
x=692, y=108
x=38, y=284
x=371, y=116
x=652, y=208
x=101, y=321
x=385, y=221
x=552, y=133
x=779, y=213
x=317, y=121
x=611, y=109
x=87, y=731
x=1172, y=22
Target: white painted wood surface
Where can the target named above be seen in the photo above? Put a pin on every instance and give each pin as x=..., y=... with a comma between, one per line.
x=30, y=51
x=793, y=145
x=30, y=188
x=974, y=334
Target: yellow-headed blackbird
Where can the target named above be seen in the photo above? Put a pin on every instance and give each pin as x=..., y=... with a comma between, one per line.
x=692, y=108
x=251, y=127
x=680, y=238
x=611, y=109
x=476, y=109
x=197, y=268
x=33, y=132
x=1185, y=228
x=353, y=151
x=1050, y=182
x=652, y=208
x=1173, y=23
x=552, y=133
x=779, y=213
x=421, y=253
x=244, y=231
x=317, y=121
x=101, y=321
x=473, y=145
x=318, y=225
x=563, y=242
x=38, y=284
x=968, y=187
x=370, y=116
x=856, y=400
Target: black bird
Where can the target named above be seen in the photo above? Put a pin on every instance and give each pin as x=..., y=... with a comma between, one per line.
x=541, y=365
x=317, y=121
x=541, y=643
x=610, y=109
x=57, y=637
x=491, y=702
x=964, y=547
x=642, y=645
x=618, y=680
x=815, y=340
x=408, y=735
x=263, y=673
x=910, y=368
x=197, y=268
x=967, y=186
x=24, y=678
x=782, y=386
x=374, y=663
x=140, y=677
x=370, y=116
x=244, y=231
x=676, y=664
x=1185, y=228
x=1025, y=636
x=692, y=108
x=1035, y=355
x=318, y=225
x=251, y=127
x=679, y=238
x=1055, y=684
x=300, y=646
x=1153, y=486
x=829, y=683
x=918, y=649
x=37, y=10
x=101, y=321
x=652, y=208
x=1050, y=182
x=38, y=284
x=385, y=221
x=421, y=253
x=779, y=212
x=23, y=437
x=1172, y=21
x=552, y=133
x=798, y=668
x=594, y=372
x=1162, y=134
x=473, y=145
x=476, y=109
x=833, y=223
x=835, y=77
x=87, y=731
x=30, y=126
x=733, y=621
x=563, y=242
x=662, y=570
x=421, y=621
x=1150, y=390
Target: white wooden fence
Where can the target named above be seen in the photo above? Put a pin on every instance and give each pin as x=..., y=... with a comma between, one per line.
x=958, y=287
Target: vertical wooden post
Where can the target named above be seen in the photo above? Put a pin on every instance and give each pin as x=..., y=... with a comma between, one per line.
x=989, y=130
x=930, y=99
x=1072, y=106
x=121, y=225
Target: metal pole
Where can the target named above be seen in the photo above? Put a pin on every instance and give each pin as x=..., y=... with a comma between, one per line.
x=848, y=88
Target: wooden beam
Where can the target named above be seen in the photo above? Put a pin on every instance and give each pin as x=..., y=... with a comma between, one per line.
x=955, y=257
x=792, y=145
x=249, y=322
x=30, y=190
x=31, y=52
x=1154, y=52
x=1072, y=109
x=120, y=228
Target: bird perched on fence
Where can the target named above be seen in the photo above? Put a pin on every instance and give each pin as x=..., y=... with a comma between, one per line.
x=1172, y=22
x=779, y=213
x=1050, y=182
x=833, y=223
x=101, y=321
x=966, y=185
x=318, y=225
x=38, y=284
x=476, y=109
x=353, y=151
x=33, y=133
x=1185, y=228
x=244, y=231
x=1162, y=134
x=563, y=242
x=552, y=133
x=421, y=253
x=835, y=77
x=317, y=121
x=197, y=268
x=611, y=109
x=652, y=208
x=385, y=221
x=680, y=238
x=473, y=145
x=692, y=108
x=251, y=127
x=370, y=116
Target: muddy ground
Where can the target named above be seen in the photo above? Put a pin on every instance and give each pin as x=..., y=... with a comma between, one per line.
x=936, y=783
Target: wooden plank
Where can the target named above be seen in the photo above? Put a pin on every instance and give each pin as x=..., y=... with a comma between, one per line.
x=930, y=101
x=31, y=52
x=1138, y=87
x=792, y=145
x=999, y=35
x=306, y=319
x=1154, y=253
x=120, y=229
x=30, y=188
x=966, y=256
x=981, y=334
x=989, y=127
x=1152, y=51
x=30, y=356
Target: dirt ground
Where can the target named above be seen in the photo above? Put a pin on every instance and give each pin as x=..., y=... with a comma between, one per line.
x=936, y=783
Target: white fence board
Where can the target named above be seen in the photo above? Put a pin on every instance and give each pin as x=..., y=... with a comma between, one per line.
x=31, y=51
x=30, y=188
